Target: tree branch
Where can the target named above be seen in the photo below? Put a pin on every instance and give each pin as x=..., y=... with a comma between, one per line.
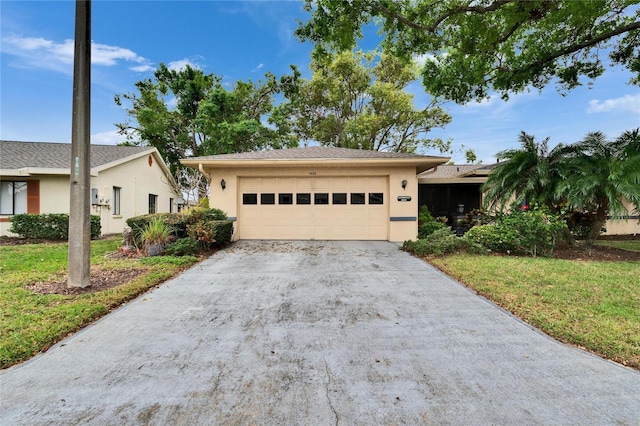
x=451, y=12
x=587, y=43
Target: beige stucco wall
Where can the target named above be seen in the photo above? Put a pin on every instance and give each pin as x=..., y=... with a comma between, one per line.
x=135, y=178
x=227, y=199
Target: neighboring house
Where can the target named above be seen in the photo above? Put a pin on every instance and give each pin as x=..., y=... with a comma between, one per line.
x=450, y=188
x=318, y=193
x=126, y=181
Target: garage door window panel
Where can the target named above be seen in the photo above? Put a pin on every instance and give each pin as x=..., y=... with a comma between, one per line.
x=358, y=198
x=267, y=199
x=250, y=199
x=303, y=198
x=321, y=198
x=285, y=198
x=340, y=198
x=376, y=198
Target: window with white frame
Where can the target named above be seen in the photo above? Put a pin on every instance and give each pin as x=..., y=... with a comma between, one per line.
x=115, y=203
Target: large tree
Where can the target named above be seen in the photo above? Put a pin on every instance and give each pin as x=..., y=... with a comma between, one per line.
x=360, y=100
x=187, y=113
x=473, y=47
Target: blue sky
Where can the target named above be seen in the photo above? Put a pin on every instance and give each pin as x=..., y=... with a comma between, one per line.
x=239, y=41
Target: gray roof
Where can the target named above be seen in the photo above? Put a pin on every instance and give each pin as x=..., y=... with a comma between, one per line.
x=461, y=170
x=313, y=153
x=49, y=155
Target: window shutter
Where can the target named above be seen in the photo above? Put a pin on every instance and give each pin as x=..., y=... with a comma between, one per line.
x=33, y=196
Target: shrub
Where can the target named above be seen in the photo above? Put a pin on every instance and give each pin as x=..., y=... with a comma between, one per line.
x=196, y=214
x=176, y=221
x=538, y=230
x=533, y=232
x=211, y=231
x=494, y=237
x=183, y=247
x=195, y=223
x=156, y=232
x=427, y=224
x=51, y=226
x=440, y=242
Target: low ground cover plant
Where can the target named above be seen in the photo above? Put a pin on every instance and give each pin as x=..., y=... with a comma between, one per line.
x=440, y=242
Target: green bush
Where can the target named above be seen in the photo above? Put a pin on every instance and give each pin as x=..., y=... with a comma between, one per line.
x=196, y=223
x=534, y=232
x=427, y=224
x=440, y=242
x=494, y=237
x=183, y=247
x=50, y=226
x=176, y=221
x=211, y=231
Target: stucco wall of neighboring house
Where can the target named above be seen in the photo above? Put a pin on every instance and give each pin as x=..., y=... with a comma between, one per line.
x=624, y=226
x=403, y=227
x=136, y=178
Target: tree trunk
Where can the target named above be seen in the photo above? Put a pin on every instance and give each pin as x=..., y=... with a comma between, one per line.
x=597, y=223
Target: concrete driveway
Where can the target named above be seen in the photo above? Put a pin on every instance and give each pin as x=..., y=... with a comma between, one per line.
x=315, y=333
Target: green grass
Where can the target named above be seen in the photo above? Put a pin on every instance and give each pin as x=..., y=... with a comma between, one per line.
x=30, y=322
x=633, y=245
x=593, y=305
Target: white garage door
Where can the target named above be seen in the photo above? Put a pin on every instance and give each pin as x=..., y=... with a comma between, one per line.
x=313, y=208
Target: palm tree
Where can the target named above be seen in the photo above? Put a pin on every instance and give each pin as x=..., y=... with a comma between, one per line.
x=529, y=174
x=596, y=176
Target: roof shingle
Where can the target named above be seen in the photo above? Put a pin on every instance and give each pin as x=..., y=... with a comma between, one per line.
x=50, y=155
x=312, y=153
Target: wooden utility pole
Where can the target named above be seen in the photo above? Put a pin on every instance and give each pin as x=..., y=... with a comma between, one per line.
x=80, y=172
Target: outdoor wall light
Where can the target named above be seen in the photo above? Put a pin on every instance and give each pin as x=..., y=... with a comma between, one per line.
x=223, y=184
x=404, y=184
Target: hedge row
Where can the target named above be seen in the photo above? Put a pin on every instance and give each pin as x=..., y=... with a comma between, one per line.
x=50, y=226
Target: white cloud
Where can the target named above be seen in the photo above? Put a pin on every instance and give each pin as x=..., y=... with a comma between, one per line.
x=107, y=138
x=258, y=67
x=420, y=60
x=35, y=52
x=627, y=103
x=182, y=64
x=142, y=68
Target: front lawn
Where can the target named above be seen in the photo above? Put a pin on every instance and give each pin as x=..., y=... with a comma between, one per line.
x=31, y=322
x=591, y=304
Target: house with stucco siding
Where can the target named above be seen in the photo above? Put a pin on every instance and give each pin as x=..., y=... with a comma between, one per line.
x=318, y=193
x=126, y=181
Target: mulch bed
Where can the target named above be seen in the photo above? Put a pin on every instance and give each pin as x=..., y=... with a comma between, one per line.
x=100, y=280
x=597, y=253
